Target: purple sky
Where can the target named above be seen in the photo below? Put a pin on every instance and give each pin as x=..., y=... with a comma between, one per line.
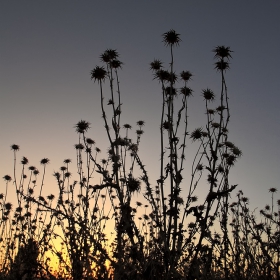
x=49, y=47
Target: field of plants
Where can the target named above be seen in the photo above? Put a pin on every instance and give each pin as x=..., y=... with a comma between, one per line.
x=127, y=227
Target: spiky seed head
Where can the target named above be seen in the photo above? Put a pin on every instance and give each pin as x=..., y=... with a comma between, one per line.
x=36, y=172
x=231, y=159
x=141, y=123
x=215, y=125
x=171, y=38
x=15, y=147
x=172, y=77
x=229, y=144
x=24, y=160
x=156, y=65
x=7, y=178
x=220, y=108
x=170, y=91
x=222, y=65
x=236, y=151
x=127, y=126
x=211, y=111
x=194, y=198
x=186, y=91
x=90, y=141
x=44, y=161
x=116, y=64
x=222, y=52
x=208, y=94
x=109, y=55
x=8, y=206
x=79, y=146
x=196, y=134
x=82, y=126
x=98, y=73
x=186, y=75
x=199, y=167
x=162, y=75
x=133, y=185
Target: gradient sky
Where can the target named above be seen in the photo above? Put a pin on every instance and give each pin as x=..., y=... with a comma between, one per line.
x=49, y=47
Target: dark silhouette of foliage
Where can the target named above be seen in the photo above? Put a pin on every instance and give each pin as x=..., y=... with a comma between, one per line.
x=170, y=233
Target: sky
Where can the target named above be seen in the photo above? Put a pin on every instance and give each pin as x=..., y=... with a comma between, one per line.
x=48, y=49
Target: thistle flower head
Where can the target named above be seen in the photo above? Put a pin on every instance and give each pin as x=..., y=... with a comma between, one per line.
x=139, y=132
x=196, y=134
x=172, y=77
x=166, y=125
x=272, y=190
x=215, y=125
x=208, y=94
x=194, y=198
x=127, y=126
x=229, y=144
x=90, y=141
x=220, y=108
x=56, y=175
x=199, y=167
x=170, y=91
x=15, y=147
x=186, y=75
x=36, y=172
x=133, y=184
x=211, y=111
x=50, y=197
x=109, y=55
x=156, y=65
x=267, y=207
x=8, y=206
x=231, y=159
x=82, y=126
x=222, y=65
x=44, y=161
x=7, y=178
x=116, y=64
x=171, y=38
x=236, y=151
x=162, y=75
x=186, y=91
x=98, y=73
x=24, y=160
x=222, y=52
x=68, y=160
x=141, y=123
x=79, y=146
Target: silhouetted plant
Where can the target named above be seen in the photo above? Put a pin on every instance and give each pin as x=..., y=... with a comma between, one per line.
x=172, y=235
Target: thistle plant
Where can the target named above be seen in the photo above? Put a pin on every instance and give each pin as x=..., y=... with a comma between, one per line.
x=159, y=229
x=215, y=156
